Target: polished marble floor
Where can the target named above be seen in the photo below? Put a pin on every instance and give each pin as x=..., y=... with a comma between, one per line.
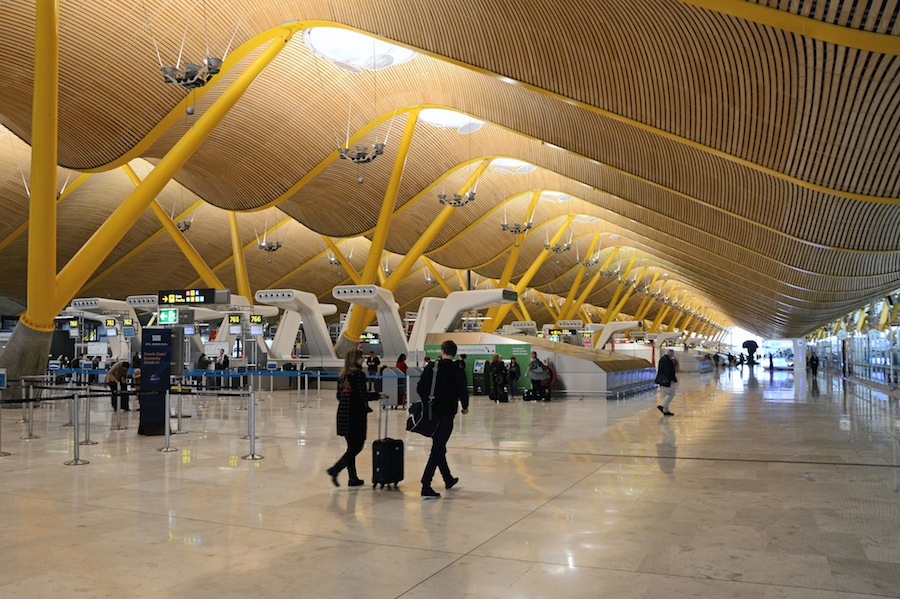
x=758, y=487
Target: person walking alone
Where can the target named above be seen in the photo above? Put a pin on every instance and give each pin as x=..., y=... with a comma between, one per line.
x=449, y=392
x=513, y=374
x=351, y=415
x=666, y=379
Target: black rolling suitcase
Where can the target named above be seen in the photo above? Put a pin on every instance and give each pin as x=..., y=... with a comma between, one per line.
x=387, y=456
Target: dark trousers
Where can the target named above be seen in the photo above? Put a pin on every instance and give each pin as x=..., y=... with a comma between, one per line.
x=438, y=457
x=114, y=389
x=348, y=460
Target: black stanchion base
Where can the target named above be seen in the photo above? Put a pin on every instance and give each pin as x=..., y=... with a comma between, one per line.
x=252, y=456
x=88, y=443
x=4, y=454
x=76, y=462
x=167, y=449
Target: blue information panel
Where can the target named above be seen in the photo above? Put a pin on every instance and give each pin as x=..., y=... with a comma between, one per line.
x=156, y=368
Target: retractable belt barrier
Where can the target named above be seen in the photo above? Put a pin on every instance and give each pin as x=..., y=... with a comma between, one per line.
x=77, y=388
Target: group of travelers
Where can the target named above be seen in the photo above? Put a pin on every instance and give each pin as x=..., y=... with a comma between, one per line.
x=354, y=395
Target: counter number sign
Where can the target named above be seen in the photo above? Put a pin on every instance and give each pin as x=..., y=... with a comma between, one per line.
x=234, y=319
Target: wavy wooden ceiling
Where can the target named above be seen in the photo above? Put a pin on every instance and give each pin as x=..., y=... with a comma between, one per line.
x=757, y=166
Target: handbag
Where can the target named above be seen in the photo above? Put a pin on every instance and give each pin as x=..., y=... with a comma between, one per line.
x=420, y=415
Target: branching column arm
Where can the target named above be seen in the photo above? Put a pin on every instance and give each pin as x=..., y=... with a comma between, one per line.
x=240, y=265
x=627, y=295
x=348, y=268
x=589, y=288
x=111, y=232
x=440, y=280
x=619, y=288
x=491, y=325
x=514, y=251
x=206, y=274
x=570, y=298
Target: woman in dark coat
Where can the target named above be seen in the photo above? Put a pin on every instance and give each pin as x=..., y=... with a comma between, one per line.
x=351, y=415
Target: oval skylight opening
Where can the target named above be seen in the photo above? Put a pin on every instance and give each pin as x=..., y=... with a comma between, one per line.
x=556, y=196
x=450, y=119
x=511, y=166
x=353, y=51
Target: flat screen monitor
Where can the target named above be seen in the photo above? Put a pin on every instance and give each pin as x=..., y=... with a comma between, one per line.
x=256, y=329
x=128, y=331
x=73, y=333
x=188, y=331
x=111, y=332
x=234, y=329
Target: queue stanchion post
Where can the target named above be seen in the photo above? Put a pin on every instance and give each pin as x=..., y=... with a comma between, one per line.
x=241, y=407
x=250, y=411
x=87, y=420
x=318, y=384
x=118, y=425
x=76, y=457
x=3, y=454
x=251, y=426
x=271, y=384
x=72, y=415
x=30, y=417
x=297, y=374
x=180, y=431
x=24, y=418
x=168, y=447
x=305, y=389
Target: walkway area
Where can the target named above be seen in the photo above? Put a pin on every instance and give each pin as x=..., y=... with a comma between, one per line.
x=758, y=487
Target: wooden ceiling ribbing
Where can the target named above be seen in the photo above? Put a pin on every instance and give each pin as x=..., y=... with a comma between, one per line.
x=759, y=165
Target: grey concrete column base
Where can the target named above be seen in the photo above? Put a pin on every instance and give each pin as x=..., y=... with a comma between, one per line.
x=344, y=345
x=26, y=354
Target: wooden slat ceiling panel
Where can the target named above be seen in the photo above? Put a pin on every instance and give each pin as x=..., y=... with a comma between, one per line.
x=582, y=44
x=875, y=15
x=664, y=87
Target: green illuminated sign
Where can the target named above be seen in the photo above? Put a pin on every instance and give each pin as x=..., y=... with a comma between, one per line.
x=168, y=316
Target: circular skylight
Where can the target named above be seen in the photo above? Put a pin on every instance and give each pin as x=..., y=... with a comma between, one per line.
x=511, y=166
x=354, y=51
x=450, y=119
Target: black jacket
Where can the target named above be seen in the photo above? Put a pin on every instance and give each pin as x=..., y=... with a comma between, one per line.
x=449, y=390
x=666, y=370
x=352, y=406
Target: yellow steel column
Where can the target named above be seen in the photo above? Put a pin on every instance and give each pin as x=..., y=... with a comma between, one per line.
x=240, y=265
x=42, y=290
x=516, y=312
x=628, y=293
x=523, y=308
x=348, y=268
x=92, y=254
x=462, y=280
x=551, y=309
x=360, y=316
x=589, y=288
x=674, y=322
x=570, y=298
x=437, y=276
x=646, y=301
x=514, y=251
x=522, y=284
x=422, y=243
x=380, y=233
x=615, y=298
x=646, y=309
x=206, y=274
x=587, y=314
x=659, y=318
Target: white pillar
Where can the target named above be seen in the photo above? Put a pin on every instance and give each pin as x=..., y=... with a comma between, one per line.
x=799, y=356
